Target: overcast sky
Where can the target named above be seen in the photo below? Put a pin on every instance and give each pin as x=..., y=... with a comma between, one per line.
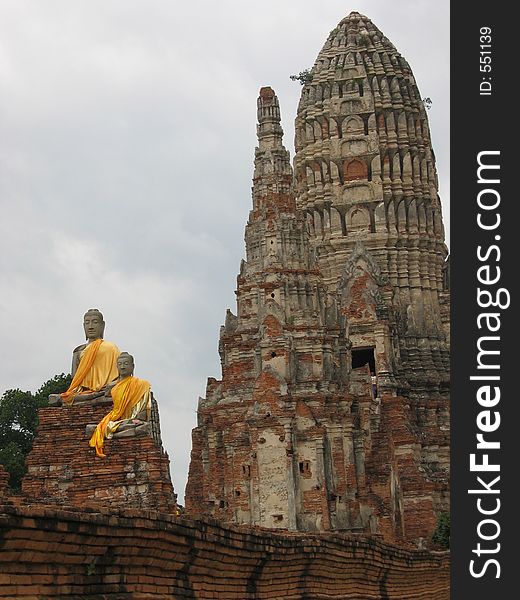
x=127, y=135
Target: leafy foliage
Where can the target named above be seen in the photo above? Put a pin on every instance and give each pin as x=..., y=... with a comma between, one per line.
x=18, y=422
x=13, y=460
x=18, y=419
x=59, y=383
x=427, y=103
x=303, y=77
x=441, y=535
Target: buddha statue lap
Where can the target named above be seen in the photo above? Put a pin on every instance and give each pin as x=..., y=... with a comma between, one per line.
x=130, y=415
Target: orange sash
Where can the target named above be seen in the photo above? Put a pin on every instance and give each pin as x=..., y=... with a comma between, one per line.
x=85, y=364
x=126, y=394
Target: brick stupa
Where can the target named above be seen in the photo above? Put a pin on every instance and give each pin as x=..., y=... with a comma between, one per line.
x=333, y=408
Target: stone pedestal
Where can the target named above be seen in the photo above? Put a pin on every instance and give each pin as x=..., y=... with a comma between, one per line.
x=63, y=469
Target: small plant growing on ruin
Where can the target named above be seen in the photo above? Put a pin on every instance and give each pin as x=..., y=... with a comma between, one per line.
x=427, y=103
x=303, y=77
x=90, y=568
x=441, y=535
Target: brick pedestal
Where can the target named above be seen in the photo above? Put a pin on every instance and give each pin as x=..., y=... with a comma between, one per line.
x=63, y=469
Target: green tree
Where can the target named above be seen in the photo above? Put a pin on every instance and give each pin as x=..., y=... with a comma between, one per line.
x=13, y=460
x=18, y=422
x=59, y=383
x=18, y=419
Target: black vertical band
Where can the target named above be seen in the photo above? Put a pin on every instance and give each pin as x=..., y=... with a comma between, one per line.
x=484, y=254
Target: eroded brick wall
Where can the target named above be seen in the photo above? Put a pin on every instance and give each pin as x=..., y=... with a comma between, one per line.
x=63, y=469
x=48, y=553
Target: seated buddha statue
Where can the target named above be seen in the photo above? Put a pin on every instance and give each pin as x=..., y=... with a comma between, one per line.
x=93, y=364
x=130, y=413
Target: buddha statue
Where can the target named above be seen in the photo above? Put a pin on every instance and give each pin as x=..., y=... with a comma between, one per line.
x=93, y=364
x=130, y=414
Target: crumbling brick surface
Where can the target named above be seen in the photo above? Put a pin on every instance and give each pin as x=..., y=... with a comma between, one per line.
x=63, y=469
x=136, y=554
x=297, y=434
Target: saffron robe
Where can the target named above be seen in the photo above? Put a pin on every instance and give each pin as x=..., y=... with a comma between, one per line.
x=131, y=396
x=97, y=367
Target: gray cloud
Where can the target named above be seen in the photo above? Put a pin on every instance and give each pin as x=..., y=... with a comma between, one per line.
x=128, y=133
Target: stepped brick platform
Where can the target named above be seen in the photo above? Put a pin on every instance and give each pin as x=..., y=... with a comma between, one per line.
x=63, y=469
x=136, y=554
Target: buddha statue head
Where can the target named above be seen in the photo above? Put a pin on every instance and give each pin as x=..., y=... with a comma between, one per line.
x=93, y=324
x=125, y=364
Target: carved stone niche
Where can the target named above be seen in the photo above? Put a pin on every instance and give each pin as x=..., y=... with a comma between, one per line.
x=357, y=191
x=356, y=168
x=360, y=287
x=358, y=220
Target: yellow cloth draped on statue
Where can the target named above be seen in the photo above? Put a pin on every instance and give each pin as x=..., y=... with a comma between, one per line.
x=97, y=367
x=131, y=396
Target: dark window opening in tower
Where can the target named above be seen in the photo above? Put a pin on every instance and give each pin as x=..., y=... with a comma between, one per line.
x=363, y=356
x=305, y=467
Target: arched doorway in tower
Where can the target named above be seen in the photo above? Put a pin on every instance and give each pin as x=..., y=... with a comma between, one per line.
x=366, y=356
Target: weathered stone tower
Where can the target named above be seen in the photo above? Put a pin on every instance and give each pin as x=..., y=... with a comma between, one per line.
x=286, y=344
x=365, y=177
x=332, y=411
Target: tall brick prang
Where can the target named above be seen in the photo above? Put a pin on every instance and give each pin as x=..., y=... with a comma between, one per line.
x=284, y=357
x=333, y=408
